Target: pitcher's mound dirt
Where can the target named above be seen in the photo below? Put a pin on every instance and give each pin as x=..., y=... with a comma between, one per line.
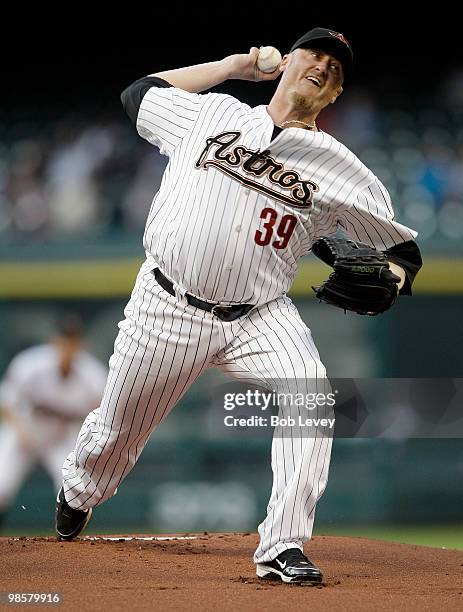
x=215, y=572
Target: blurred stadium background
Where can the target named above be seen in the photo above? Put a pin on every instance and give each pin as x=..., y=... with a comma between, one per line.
x=76, y=183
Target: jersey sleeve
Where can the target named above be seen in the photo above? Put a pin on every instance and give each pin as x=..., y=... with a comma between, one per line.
x=166, y=115
x=370, y=219
x=407, y=255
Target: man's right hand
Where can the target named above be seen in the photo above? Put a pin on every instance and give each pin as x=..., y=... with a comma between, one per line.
x=243, y=66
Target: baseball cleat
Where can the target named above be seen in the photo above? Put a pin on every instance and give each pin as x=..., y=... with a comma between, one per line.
x=69, y=522
x=290, y=566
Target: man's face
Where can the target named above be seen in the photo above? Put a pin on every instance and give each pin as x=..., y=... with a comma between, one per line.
x=68, y=347
x=312, y=78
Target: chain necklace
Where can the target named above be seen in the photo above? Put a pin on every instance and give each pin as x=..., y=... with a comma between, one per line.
x=309, y=126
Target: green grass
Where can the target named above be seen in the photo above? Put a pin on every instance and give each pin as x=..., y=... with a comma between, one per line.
x=441, y=536
x=447, y=536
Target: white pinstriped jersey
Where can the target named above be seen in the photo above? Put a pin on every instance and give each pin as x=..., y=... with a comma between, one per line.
x=236, y=210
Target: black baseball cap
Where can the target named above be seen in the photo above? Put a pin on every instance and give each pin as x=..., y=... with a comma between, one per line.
x=330, y=41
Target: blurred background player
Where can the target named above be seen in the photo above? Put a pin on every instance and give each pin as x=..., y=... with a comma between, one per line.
x=46, y=392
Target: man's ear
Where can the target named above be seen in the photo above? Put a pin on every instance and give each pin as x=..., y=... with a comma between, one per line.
x=284, y=63
x=338, y=93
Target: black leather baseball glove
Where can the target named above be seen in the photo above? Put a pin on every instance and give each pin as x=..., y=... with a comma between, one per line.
x=361, y=281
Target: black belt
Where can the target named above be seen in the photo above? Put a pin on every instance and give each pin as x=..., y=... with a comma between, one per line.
x=225, y=313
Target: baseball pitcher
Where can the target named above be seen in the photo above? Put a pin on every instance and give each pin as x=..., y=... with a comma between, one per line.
x=246, y=193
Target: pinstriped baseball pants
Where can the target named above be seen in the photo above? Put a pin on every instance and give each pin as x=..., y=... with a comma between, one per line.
x=162, y=347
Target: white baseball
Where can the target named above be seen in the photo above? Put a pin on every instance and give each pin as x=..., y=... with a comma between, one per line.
x=269, y=59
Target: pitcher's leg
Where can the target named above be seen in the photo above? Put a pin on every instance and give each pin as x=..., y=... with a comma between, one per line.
x=160, y=350
x=274, y=344
x=300, y=464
